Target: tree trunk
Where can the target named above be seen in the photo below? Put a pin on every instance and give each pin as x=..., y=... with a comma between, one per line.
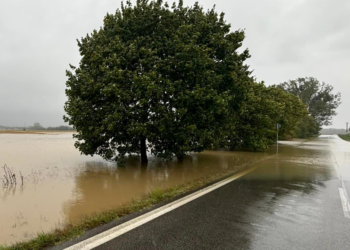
x=143, y=150
x=180, y=158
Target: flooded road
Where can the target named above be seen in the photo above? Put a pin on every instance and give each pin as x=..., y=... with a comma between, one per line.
x=291, y=201
x=62, y=186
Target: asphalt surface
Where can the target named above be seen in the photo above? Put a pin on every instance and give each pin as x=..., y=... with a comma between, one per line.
x=290, y=202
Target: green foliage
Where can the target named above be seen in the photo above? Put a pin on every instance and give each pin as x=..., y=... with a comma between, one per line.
x=171, y=76
x=265, y=107
x=318, y=97
x=306, y=127
x=290, y=111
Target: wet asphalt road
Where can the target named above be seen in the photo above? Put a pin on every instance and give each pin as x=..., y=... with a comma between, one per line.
x=291, y=201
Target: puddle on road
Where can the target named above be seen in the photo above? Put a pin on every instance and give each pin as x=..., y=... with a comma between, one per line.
x=61, y=186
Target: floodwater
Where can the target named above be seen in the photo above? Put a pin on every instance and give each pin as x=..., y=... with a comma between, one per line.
x=61, y=186
x=297, y=199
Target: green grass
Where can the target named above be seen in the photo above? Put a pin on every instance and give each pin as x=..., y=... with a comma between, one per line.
x=71, y=231
x=345, y=137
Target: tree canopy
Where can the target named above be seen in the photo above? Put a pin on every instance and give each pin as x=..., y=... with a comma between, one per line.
x=264, y=108
x=172, y=80
x=319, y=98
x=306, y=127
x=165, y=79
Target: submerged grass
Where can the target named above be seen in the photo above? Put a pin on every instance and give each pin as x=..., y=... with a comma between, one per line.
x=71, y=231
x=345, y=137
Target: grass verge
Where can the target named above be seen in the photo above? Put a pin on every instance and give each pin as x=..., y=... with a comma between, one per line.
x=71, y=231
x=345, y=137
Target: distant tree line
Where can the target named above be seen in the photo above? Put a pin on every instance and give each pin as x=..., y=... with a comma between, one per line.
x=37, y=126
x=61, y=128
x=172, y=80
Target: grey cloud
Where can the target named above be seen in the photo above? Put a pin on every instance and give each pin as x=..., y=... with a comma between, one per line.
x=287, y=39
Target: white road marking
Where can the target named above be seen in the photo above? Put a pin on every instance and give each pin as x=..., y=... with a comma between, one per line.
x=345, y=203
x=114, y=232
x=342, y=191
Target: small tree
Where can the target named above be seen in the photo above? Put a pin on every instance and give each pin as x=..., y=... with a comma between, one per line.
x=168, y=80
x=37, y=126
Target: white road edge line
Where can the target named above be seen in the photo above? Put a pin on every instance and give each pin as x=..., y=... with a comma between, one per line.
x=114, y=232
x=342, y=191
x=345, y=203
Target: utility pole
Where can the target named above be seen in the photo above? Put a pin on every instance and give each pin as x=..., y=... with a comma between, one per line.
x=347, y=127
x=278, y=126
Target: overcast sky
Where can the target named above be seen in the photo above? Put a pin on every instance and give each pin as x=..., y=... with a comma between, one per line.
x=287, y=39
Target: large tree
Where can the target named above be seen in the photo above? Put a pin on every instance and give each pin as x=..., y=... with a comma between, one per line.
x=319, y=98
x=168, y=80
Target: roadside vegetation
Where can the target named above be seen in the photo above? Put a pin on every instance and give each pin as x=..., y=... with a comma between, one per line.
x=345, y=137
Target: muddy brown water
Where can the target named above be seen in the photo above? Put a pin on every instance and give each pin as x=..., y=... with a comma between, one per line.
x=62, y=186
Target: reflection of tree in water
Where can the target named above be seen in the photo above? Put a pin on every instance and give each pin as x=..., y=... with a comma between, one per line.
x=286, y=190
x=10, y=191
x=101, y=186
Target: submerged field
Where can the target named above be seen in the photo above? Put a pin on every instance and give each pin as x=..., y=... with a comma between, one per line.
x=60, y=186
